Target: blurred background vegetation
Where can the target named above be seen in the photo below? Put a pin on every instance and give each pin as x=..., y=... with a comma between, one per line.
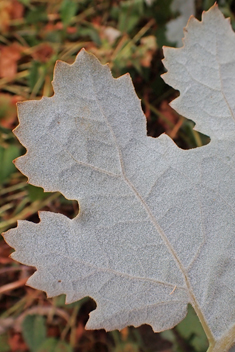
x=129, y=35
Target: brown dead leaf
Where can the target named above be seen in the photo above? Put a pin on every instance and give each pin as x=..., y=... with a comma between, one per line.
x=16, y=343
x=17, y=10
x=59, y=26
x=50, y=26
x=8, y=114
x=43, y=53
x=96, y=21
x=9, y=55
x=5, y=251
x=4, y=16
x=71, y=30
x=79, y=331
x=147, y=59
x=124, y=333
x=9, y=10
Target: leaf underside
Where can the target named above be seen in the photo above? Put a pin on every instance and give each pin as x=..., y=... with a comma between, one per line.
x=156, y=224
x=174, y=28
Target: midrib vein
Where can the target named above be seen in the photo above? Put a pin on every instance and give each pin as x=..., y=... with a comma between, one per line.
x=157, y=226
x=134, y=190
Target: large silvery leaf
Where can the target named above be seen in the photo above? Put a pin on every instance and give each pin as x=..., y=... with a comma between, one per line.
x=174, y=28
x=156, y=224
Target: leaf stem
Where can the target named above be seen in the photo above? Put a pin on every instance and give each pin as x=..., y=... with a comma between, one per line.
x=205, y=326
x=225, y=343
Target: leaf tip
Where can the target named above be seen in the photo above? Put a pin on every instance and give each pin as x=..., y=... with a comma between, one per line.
x=84, y=53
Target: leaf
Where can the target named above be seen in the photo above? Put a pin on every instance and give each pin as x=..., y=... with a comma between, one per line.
x=174, y=28
x=48, y=345
x=53, y=345
x=4, y=346
x=9, y=55
x=34, y=331
x=9, y=10
x=33, y=74
x=36, y=15
x=6, y=165
x=129, y=14
x=68, y=11
x=155, y=230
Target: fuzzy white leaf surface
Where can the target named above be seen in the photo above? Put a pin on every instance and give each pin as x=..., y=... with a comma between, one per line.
x=156, y=224
x=174, y=28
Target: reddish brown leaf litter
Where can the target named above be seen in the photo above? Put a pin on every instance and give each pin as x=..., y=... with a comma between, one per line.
x=9, y=10
x=43, y=53
x=9, y=56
